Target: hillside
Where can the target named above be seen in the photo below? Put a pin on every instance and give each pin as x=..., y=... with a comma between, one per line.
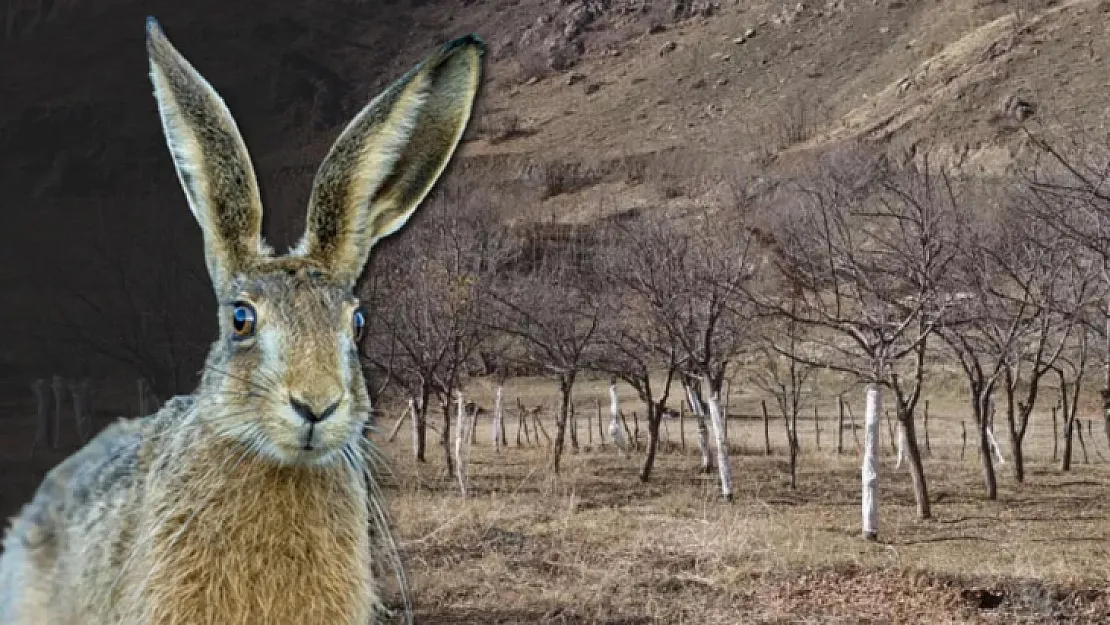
x=621, y=101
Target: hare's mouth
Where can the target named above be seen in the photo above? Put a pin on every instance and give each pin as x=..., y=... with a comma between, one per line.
x=310, y=443
x=311, y=438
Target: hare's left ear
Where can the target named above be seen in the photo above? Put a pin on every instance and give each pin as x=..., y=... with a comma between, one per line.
x=211, y=161
x=389, y=157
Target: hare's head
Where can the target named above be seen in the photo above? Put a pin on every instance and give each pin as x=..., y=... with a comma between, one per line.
x=283, y=377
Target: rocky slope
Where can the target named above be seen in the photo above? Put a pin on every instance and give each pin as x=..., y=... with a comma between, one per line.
x=585, y=101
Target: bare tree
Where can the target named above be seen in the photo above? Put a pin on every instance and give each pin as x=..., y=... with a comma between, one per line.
x=633, y=343
x=1017, y=292
x=689, y=275
x=1071, y=196
x=432, y=299
x=1060, y=282
x=554, y=313
x=862, y=247
x=1070, y=369
x=785, y=375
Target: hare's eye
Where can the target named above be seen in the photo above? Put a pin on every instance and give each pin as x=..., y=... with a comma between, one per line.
x=242, y=320
x=359, y=322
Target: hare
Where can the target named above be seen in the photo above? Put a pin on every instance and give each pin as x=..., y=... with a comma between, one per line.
x=251, y=500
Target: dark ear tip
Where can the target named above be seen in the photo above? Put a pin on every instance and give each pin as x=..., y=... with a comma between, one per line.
x=470, y=40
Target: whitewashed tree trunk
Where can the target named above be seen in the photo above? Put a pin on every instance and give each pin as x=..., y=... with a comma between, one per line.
x=901, y=447
x=990, y=434
x=724, y=467
x=703, y=432
x=460, y=436
x=59, y=387
x=994, y=446
x=616, y=429
x=498, y=419
x=82, y=409
x=870, y=470
x=413, y=407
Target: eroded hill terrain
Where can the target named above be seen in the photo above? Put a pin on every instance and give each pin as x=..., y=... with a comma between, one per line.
x=590, y=107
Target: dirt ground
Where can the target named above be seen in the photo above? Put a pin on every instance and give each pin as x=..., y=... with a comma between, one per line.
x=594, y=545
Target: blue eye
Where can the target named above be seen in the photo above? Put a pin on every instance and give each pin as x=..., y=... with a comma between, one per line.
x=359, y=323
x=243, y=320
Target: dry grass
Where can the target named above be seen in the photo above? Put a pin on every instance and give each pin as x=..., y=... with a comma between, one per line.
x=596, y=546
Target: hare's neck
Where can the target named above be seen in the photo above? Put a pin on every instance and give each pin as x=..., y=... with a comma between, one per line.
x=238, y=540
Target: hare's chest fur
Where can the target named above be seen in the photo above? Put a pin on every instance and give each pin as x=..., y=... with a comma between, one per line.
x=257, y=544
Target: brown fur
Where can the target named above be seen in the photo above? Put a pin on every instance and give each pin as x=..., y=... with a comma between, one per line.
x=230, y=506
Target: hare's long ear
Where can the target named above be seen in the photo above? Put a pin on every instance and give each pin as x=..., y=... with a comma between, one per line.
x=210, y=158
x=389, y=157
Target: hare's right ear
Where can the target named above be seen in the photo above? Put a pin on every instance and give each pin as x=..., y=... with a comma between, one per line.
x=210, y=158
x=389, y=157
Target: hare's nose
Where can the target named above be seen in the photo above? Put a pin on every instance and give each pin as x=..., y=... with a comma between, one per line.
x=312, y=414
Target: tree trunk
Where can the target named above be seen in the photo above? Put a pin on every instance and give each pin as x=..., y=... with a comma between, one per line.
x=499, y=439
x=963, y=439
x=766, y=428
x=1019, y=457
x=1055, y=435
x=792, y=446
x=696, y=406
x=917, y=469
x=655, y=417
x=900, y=446
x=682, y=427
x=445, y=439
x=893, y=433
x=990, y=481
x=724, y=467
x=839, y=425
x=589, y=431
x=1106, y=367
x=523, y=425
x=627, y=431
x=566, y=383
x=703, y=445
x=461, y=437
x=1065, y=455
x=870, y=469
x=600, y=431
x=816, y=428
x=82, y=409
x=420, y=443
x=472, y=425
x=616, y=428
x=1082, y=445
x=572, y=426
x=1015, y=435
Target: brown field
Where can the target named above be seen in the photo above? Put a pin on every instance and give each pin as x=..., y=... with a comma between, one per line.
x=594, y=545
